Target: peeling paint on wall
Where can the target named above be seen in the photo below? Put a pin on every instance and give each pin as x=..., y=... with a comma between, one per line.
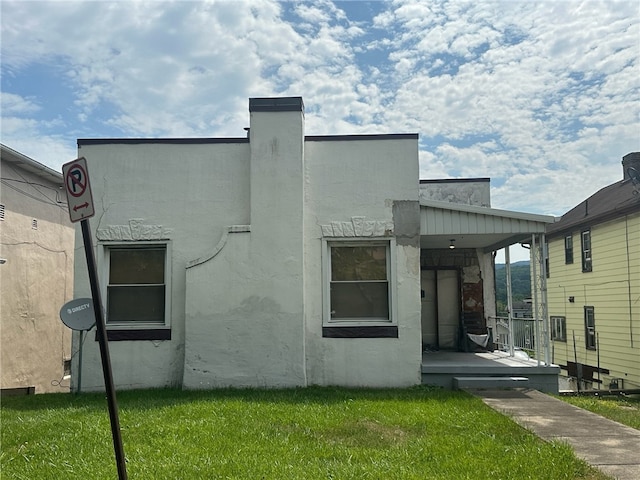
x=406, y=221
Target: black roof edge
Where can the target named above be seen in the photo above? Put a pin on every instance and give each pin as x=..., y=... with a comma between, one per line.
x=175, y=141
x=457, y=180
x=355, y=137
x=277, y=104
x=194, y=141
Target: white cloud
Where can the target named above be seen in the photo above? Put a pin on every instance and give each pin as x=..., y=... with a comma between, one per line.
x=527, y=93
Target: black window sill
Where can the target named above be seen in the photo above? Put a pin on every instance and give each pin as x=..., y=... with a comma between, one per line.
x=360, y=332
x=115, y=335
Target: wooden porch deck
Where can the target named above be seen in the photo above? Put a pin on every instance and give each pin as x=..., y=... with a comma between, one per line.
x=442, y=367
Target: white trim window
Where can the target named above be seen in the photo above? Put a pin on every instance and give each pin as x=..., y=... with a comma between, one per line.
x=137, y=286
x=586, y=251
x=590, y=328
x=558, y=329
x=359, y=282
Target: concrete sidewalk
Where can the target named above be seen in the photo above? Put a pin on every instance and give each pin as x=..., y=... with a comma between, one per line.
x=607, y=445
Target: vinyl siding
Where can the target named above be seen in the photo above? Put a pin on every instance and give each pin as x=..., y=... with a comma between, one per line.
x=612, y=288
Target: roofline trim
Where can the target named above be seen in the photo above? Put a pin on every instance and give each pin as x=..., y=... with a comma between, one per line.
x=16, y=157
x=532, y=217
x=455, y=180
x=355, y=137
x=146, y=141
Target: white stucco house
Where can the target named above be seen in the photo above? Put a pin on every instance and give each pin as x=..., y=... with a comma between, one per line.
x=281, y=259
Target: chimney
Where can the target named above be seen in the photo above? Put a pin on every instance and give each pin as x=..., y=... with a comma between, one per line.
x=630, y=160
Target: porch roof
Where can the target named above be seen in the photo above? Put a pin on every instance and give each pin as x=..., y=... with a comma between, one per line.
x=472, y=226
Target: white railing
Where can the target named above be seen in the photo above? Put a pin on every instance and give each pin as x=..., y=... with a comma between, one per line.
x=518, y=335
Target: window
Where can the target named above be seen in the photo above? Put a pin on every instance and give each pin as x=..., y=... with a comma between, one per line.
x=589, y=328
x=586, y=251
x=546, y=259
x=568, y=249
x=559, y=329
x=137, y=285
x=358, y=283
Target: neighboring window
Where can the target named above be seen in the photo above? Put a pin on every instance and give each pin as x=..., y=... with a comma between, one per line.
x=559, y=329
x=589, y=328
x=359, y=282
x=586, y=251
x=137, y=285
x=546, y=258
x=568, y=249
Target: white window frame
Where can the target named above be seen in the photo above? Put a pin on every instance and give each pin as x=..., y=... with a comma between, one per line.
x=590, y=340
x=558, y=328
x=103, y=263
x=586, y=247
x=390, y=245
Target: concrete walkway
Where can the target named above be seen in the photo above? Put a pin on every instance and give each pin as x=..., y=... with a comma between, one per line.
x=607, y=445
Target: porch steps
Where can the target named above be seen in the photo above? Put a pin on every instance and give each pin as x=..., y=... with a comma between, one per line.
x=460, y=383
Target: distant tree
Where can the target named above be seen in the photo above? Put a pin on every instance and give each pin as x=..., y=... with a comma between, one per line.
x=520, y=284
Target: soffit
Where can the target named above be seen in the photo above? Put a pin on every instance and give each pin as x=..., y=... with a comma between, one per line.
x=30, y=165
x=476, y=227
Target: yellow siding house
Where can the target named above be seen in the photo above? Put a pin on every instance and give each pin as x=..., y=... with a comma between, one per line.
x=594, y=286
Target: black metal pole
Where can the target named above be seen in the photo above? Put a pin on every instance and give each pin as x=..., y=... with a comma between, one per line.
x=104, y=351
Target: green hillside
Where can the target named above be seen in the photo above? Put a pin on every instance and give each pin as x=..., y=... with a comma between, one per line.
x=520, y=283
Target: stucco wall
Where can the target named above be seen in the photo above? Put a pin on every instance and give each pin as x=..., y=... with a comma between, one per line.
x=245, y=225
x=35, y=281
x=463, y=191
x=189, y=192
x=363, y=179
x=244, y=308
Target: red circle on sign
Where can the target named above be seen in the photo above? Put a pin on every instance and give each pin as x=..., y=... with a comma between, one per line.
x=72, y=182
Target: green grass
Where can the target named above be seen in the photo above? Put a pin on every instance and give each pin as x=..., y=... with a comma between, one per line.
x=625, y=410
x=314, y=433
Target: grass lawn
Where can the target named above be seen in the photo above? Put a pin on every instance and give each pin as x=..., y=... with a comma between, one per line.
x=624, y=410
x=313, y=433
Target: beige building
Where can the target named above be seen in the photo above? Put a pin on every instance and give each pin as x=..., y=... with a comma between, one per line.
x=36, y=276
x=594, y=286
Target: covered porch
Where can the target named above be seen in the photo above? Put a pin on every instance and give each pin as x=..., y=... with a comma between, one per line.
x=460, y=339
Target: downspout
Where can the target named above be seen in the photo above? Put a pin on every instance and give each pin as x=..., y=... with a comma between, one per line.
x=626, y=231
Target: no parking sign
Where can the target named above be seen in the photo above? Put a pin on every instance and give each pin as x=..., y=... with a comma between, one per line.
x=76, y=183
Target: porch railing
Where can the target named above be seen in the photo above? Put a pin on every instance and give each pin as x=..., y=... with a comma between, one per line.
x=518, y=335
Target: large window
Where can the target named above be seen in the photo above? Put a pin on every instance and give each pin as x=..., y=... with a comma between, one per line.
x=586, y=250
x=358, y=282
x=568, y=249
x=559, y=329
x=590, y=328
x=137, y=284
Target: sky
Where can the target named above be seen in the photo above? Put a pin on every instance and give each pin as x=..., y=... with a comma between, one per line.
x=542, y=97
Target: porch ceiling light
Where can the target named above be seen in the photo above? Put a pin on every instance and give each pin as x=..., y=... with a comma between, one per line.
x=452, y=243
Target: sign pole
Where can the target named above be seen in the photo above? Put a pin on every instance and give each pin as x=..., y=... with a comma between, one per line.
x=80, y=200
x=104, y=351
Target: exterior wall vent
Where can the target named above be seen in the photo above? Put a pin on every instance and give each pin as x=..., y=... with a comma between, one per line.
x=34, y=224
x=1, y=212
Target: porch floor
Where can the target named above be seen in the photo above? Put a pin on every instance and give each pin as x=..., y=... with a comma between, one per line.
x=441, y=367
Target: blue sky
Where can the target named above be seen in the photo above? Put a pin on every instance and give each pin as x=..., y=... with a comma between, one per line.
x=543, y=97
